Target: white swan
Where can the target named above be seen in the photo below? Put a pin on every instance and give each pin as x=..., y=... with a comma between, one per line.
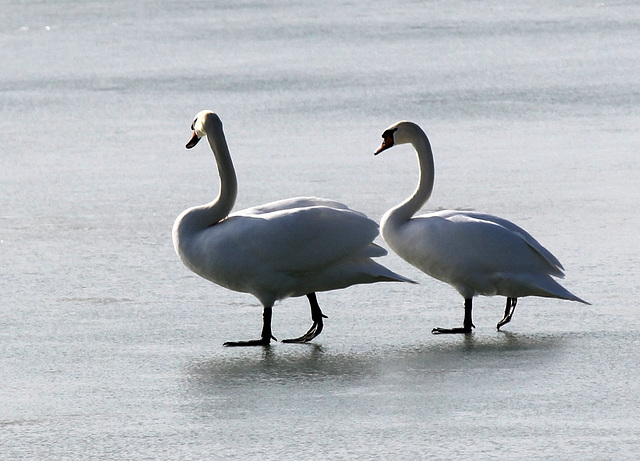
x=477, y=254
x=291, y=247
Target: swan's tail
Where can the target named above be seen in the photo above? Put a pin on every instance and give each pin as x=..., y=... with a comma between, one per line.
x=521, y=285
x=377, y=270
x=561, y=292
x=356, y=271
x=573, y=297
x=382, y=274
x=550, y=288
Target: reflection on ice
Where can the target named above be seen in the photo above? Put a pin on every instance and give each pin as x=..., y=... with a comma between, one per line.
x=274, y=363
x=314, y=362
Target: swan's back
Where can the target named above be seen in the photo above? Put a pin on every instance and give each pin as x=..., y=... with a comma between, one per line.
x=291, y=203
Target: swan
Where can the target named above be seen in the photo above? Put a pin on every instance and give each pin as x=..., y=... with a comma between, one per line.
x=292, y=247
x=475, y=253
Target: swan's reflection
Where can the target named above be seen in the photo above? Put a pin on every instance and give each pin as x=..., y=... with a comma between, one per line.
x=245, y=387
x=309, y=362
x=313, y=362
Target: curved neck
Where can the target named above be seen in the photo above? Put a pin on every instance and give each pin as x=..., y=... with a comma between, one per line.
x=220, y=208
x=203, y=216
x=405, y=210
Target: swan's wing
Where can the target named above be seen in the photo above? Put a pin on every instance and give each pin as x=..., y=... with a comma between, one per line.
x=459, y=216
x=460, y=247
x=290, y=203
x=301, y=239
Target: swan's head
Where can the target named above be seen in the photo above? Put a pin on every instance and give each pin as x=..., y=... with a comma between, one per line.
x=203, y=122
x=402, y=132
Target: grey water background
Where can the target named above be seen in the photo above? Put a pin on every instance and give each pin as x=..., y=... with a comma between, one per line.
x=111, y=349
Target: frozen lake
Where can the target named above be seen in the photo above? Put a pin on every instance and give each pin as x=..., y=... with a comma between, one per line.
x=111, y=349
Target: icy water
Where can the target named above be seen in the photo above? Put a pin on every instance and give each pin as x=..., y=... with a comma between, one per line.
x=111, y=349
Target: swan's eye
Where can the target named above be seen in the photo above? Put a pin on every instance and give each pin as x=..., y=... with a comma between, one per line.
x=387, y=137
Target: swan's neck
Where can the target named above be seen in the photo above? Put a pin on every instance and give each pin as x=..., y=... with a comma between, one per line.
x=218, y=209
x=405, y=210
x=207, y=215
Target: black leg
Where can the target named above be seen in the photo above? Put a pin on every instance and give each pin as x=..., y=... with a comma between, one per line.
x=316, y=316
x=508, y=311
x=467, y=325
x=266, y=336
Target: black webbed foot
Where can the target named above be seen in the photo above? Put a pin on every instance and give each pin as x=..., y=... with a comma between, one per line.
x=458, y=330
x=265, y=336
x=467, y=327
x=254, y=342
x=508, y=312
x=318, y=324
x=314, y=331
